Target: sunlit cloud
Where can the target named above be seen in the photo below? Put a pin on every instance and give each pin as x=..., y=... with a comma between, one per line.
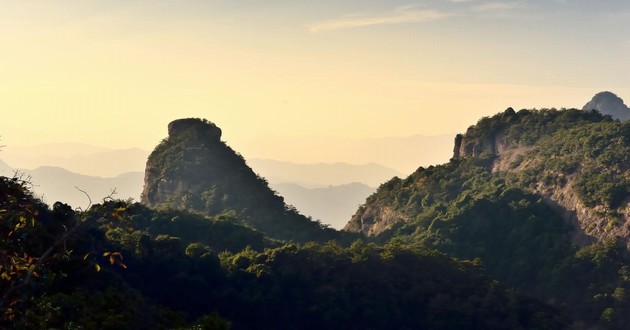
x=401, y=15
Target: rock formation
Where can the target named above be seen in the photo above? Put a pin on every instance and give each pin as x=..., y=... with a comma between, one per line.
x=609, y=104
x=193, y=169
x=192, y=157
x=476, y=141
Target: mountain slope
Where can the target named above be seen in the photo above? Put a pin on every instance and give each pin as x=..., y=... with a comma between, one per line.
x=539, y=198
x=193, y=169
x=576, y=159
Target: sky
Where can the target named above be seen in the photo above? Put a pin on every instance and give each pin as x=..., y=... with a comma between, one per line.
x=115, y=73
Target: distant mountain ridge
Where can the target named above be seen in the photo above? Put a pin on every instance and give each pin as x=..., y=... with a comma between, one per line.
x=404, y=154
x=332, y=205
x=321, y=174
x=57, y=184
x=77, y=158
x=401, y=154
x=54, y=184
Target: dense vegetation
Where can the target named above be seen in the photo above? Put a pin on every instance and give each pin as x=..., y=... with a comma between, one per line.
x=526, y=127
x=598, y=154
x=504, y=219
x=124, y=266
x=463, y=210
x=586, y=144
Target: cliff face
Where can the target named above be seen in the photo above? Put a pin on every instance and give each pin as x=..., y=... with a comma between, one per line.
x=480, y=140
x=193, y=169
x=465, y=146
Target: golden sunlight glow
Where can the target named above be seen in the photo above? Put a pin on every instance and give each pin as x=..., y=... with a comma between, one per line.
x=116, y=76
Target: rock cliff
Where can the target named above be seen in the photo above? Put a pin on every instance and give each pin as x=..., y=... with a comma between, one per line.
x=191, y=159
x=193, y=169
x=477, y=142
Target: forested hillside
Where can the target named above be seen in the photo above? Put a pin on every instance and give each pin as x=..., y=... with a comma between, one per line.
x=538, y=197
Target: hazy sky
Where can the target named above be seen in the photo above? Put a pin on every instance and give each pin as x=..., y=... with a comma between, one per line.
x=114, y=73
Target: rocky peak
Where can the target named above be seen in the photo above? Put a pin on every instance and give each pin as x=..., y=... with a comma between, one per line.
x=609, y=104
x=194, y=170
x=202, y=128
x=191, y=162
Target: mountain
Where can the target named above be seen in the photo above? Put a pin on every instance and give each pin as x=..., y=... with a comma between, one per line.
x=332, y=205
x=609, y=104
x=553, y=153
x=573, y=159
x=540, y=198
x=193, y=169
x=321, y=174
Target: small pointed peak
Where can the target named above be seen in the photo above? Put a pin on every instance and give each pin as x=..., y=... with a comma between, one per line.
x=608, y=104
